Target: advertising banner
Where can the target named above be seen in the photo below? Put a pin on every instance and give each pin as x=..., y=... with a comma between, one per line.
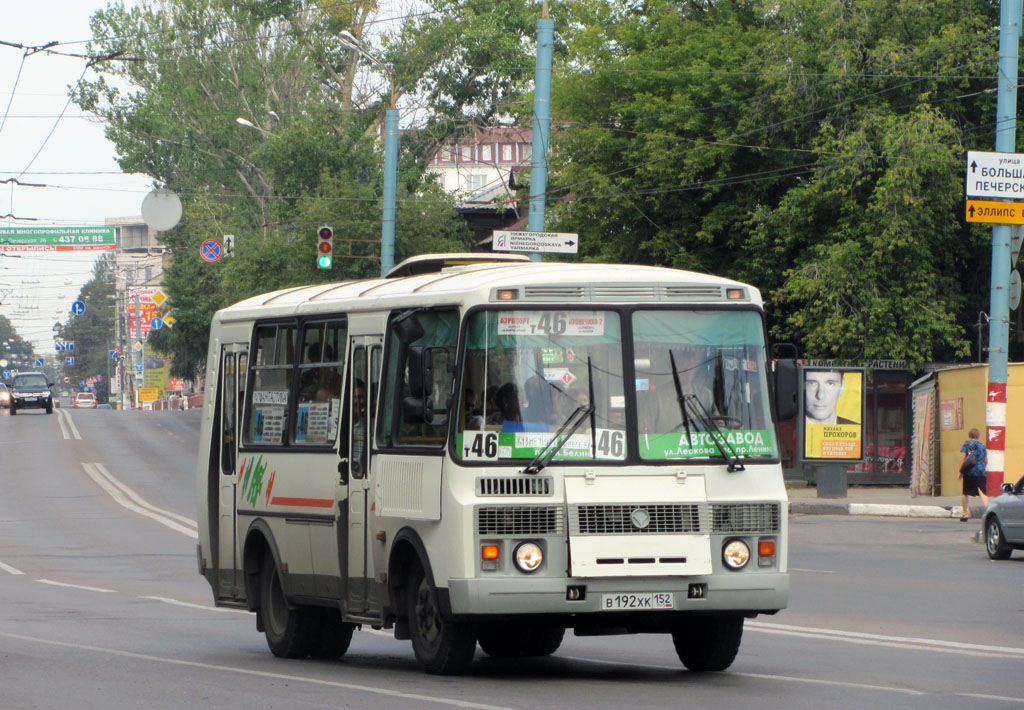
x=833, y=414
x=57, y=239
x=149, y=308
x=921, y=472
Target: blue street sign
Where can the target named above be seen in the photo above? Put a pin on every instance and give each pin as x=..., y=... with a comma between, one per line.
x=70, y=345
x=78, y=308
x=40, y=362
x=114, y=354
x=62, y=345
x=69, y=361
x=156, y=323
x=7, y=374
x=138, y=367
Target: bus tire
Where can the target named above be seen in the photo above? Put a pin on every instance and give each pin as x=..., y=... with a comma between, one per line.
x=442, y=647
x=290, y=631
x=502, y=640
x=334, y=636
x=544, y=640
x=708, y=643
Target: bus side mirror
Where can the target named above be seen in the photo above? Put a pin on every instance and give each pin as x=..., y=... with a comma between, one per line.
x=417, y=410
x=420, y=363
x=408, y=328
x=786, y=389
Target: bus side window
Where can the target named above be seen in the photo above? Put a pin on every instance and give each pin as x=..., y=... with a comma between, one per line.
x=418, y=377
x=227, y=414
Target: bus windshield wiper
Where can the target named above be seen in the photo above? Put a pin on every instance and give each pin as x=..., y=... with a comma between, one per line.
x=555, y=444
x=735, y=463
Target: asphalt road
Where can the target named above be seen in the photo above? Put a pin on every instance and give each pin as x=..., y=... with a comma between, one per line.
x=101, y=607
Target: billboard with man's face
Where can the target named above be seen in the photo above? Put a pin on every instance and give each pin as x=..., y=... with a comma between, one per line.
x=833, y=414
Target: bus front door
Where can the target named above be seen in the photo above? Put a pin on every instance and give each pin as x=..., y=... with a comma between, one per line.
x=364, y=374
x=234, y=362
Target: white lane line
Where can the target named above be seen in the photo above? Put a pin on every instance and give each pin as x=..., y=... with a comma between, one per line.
x=137, y=499
x=64, y=415
x=204, y=607
x=10, y=570
x=65, y=432
x=984, y=696
x=95, y=473
x=371, y=690
x=967, y=649
x=762, y=676
x=76, y=586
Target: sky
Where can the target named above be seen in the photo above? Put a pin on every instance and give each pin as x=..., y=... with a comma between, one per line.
x=78, y=165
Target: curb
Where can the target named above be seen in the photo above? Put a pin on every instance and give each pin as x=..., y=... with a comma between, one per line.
x=876, y=509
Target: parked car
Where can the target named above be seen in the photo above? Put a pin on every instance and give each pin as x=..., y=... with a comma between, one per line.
x=5, y=396
x=85, y=400
x=30, y=390
x=1003, y=522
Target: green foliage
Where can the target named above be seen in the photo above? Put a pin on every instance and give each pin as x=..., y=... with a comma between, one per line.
x=311, y=160
x=92, y=331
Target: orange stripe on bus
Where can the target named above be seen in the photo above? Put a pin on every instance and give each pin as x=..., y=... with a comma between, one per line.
x=304, y=502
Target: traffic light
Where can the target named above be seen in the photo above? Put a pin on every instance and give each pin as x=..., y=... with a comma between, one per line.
x=324, y=247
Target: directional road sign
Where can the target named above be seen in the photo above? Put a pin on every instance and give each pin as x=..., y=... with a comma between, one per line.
x=40, y=362
x=156, y=324
x=7, y=374
x=999, y=175
x=65, y=345
x=991, y=212
x=555, y=242
x=78, y=308
x=138, y=367
x=69, y=361
x=114, y=354
x=210, y=250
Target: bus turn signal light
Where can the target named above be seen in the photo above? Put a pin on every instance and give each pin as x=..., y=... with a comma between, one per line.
x=766, y=552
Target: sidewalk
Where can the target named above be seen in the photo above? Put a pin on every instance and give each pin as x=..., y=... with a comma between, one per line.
x=877, y=500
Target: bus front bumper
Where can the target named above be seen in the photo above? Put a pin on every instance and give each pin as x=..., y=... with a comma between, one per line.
x=747, y=593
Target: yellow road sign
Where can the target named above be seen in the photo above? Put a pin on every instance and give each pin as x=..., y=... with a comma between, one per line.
x=148, y=394
x=991, y=212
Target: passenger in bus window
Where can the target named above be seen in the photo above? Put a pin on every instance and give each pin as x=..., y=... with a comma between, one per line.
x=474, y=417
x=507, y=400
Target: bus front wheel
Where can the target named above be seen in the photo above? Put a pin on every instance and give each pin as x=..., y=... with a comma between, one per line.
x=708, y=643
x=291, y=631
x=442, y=647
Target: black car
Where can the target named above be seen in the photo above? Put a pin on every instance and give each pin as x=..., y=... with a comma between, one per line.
x=1004, y=522
x=31, y=390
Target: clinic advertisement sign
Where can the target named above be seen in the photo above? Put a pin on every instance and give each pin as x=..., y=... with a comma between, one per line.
x=47, y=239
x=832, y=414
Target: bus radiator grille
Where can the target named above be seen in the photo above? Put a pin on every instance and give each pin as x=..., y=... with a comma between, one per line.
x=732, y=518
x=640, y=518
x=511, y=486
x=520, y=520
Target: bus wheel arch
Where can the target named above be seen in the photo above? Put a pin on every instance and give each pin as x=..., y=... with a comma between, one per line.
x=259, y=543
x=407, y=554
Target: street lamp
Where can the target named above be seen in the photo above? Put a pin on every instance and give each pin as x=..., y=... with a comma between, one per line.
x=387, y=227
x=245, y=122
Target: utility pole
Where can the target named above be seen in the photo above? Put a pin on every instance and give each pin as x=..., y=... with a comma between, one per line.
x=541, y=123
x=999, y=308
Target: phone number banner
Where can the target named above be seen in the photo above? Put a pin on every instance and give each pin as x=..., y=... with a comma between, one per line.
x=57, y=239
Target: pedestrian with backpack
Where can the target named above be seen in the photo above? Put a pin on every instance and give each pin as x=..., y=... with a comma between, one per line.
x=973, y=457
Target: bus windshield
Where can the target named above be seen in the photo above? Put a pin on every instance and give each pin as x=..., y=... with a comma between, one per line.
x=714, y=359
x=528, y=371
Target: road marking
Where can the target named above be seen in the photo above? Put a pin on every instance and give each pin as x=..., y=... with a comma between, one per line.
x=372, y=690
x=67, y=425
x=983, y=696
x=812, y=571
x=762, y=676
x=10, y=570
x=127, y=498
x=204, y=607
x=76, y=586
x=920, y=644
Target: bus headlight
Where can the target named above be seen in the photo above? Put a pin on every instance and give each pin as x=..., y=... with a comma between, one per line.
x=736, y=554
x=528, y=557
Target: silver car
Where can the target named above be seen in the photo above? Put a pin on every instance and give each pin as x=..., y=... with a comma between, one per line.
x=1004, y=522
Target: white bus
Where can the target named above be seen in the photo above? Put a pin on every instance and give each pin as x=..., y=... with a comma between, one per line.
x=485, y=450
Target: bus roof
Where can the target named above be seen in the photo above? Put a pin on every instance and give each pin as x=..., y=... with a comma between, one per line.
x=534, y=282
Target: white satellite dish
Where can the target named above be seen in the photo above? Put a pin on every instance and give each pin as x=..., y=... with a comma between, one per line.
x=161, y=210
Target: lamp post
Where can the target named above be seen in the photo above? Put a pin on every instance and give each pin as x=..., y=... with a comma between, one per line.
x=246, y=122
x=387, y=227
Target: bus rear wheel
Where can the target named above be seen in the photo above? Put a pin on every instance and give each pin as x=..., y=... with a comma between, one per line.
x=442, y=647
x=708, y=643
x=291, y=631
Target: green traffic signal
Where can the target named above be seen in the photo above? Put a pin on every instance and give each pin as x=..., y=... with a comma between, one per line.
x=324, y=261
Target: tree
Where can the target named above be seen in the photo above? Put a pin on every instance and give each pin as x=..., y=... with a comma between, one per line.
x=193, y=67
x=92, y=331
x=811, y=148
